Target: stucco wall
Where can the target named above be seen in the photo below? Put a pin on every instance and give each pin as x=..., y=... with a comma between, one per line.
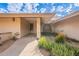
x=24, y=27
x=25, y=22
x=69, y=26
x=8, y=25
x=19, y=25
x=33, y=21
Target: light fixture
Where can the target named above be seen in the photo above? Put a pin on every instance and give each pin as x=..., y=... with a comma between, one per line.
x=13, y=19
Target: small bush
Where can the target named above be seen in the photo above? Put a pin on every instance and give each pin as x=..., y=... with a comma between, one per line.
x=59, y=38
x=76, y=51
x=64, y=50
x=48, y=46
x=61, y=50
x=58, y=49
x=44, y=43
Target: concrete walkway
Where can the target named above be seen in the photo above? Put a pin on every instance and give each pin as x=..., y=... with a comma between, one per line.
x=31, y=49
x=26, y=46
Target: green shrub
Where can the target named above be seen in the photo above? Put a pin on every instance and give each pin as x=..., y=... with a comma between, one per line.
x=58, y=49
x=61, y=50
x=59, y=38
x=76, y=51
x=48, y=46
x=44, y=43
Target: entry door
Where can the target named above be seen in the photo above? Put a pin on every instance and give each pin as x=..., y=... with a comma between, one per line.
x=31, y=27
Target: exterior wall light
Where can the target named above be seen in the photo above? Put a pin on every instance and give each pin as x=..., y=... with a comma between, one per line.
x=13, y=19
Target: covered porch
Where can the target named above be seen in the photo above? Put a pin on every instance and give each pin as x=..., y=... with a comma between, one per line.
x=24, y=24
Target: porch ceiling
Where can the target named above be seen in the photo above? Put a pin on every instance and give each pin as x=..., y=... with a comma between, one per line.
x=26, y=15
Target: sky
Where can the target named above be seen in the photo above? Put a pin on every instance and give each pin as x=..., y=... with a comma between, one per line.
x=60, y=9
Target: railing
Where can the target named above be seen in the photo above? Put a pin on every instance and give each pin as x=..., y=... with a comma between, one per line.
x=5, y=36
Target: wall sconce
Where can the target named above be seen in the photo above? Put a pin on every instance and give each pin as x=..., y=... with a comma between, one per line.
x=13, y=19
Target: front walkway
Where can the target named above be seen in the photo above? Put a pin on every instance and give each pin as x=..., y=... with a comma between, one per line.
x=26, y=46
x=31, y=49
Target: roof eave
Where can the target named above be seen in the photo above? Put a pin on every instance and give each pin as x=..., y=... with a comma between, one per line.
x=26, y=14
x=68, y=16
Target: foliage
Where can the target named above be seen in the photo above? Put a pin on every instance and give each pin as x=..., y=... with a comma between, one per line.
x=61, y=50
x=76, y=50
x=59, y=38
x=44, y=43
x=58, y=49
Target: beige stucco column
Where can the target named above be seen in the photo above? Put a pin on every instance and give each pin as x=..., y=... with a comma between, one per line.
x=38, y=27
x=17, y=21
